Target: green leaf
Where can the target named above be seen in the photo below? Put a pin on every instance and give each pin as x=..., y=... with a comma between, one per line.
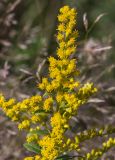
x=32, y=147
x=38, y=132
x=64, y=157
x=63, y=105
x=42, y=112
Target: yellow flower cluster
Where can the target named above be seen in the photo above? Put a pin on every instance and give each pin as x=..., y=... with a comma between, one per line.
x=97, y=153
x=25, y=112
x=66, y=32
x=46, y=117
x=64, y=68
x=49, y=150
x=92, y=133
x=37, y=157
x=32, y=138
x=51, y=144
x=48, y=103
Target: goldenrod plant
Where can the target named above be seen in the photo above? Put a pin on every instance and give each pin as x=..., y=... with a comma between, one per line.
x=45, y=117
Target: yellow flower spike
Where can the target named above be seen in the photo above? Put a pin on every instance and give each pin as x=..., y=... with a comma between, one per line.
x=67, y=19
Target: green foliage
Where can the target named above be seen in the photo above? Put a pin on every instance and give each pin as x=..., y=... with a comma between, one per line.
x=32, y=147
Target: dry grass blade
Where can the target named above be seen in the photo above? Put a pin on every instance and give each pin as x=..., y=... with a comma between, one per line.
x=111, y=89
x=40, y=66
x=85, y=21
x=5, y=43
x=99, y=17
x=102, y=49
x=96, y=100
x=25, y=71
x=4, y=72
x=13, y=6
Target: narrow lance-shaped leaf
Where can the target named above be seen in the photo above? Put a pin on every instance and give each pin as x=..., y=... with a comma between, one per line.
x=32, y=147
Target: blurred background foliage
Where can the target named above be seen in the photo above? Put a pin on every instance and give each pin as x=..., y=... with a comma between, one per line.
x=28, y=37
x=27, y=28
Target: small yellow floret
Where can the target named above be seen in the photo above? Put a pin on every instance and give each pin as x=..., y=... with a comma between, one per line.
x=48, y=104
x=24, y=125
